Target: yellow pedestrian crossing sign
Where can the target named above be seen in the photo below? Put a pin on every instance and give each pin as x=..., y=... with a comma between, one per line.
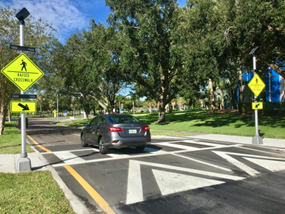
x=256, y=85
x=257, y=105
x=23, y=72
x=23, y=107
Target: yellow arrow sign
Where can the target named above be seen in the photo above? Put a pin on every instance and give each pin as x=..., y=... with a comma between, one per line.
x=256, y=85
x=258, y=105
x=23, y=107
x=22, y=72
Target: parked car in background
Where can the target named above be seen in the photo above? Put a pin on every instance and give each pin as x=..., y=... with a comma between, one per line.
x=115, y=131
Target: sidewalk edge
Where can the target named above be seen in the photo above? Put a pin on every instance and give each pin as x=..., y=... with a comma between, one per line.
x=75, y=203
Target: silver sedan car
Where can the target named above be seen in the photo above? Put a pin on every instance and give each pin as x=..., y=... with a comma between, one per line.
x=115, y=131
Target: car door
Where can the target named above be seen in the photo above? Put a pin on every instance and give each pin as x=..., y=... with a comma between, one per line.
x=96, y=130
x=88, y=130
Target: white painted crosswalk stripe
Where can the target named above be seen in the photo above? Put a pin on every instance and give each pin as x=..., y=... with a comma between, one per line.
x=69, y=158
x=201, y=143
x=177, y=146
x=237, y=163
x=205, y=163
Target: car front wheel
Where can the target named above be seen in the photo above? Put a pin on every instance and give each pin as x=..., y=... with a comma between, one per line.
x=83, y=143
x=102, y=148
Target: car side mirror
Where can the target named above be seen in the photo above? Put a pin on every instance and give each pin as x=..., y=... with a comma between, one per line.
x=85, y=125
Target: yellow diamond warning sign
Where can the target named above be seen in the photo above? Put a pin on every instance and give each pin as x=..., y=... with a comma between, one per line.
x=22, y=72
x=256, y=85
x=23, y=107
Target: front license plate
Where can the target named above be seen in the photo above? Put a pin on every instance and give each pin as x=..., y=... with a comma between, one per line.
x=132, y=131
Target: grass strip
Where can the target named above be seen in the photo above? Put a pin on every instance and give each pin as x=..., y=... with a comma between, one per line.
x=76, y=122
x=31, y=192
x=229, y=123
x=197, y=121
x=169, y=133
x=10, y=141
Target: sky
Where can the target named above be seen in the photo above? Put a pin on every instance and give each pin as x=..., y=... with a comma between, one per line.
x=66, y=15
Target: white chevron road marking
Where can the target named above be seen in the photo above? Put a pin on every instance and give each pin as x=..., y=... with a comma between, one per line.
x=237, y=163
x=271, y=165
x=170, y=182
x=135, y=190
x=198, y=161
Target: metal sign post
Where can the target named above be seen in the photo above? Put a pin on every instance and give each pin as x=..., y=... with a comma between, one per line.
x=23, y=73
x=57, y=108
x=256, y=139
x=24, y=163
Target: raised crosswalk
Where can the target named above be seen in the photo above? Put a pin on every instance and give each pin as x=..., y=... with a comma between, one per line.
x=78, y=156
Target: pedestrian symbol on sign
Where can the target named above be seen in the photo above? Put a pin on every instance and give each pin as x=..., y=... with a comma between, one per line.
x=23, y=65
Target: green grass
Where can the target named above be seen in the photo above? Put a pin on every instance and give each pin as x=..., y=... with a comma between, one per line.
x=225, y=123
x=169, y=133
x=10, y=141
x=77, y=122
x=31, y=192
x=198, y=121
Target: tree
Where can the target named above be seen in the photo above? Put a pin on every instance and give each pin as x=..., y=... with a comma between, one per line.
x=258, y=23
x=152, y=52
x=92, y=67
x=206, y=49
x=37, y=34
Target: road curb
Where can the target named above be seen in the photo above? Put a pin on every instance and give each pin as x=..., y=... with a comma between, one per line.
x=75, y=203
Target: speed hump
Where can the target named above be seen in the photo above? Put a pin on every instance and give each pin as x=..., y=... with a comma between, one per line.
x=23, y=72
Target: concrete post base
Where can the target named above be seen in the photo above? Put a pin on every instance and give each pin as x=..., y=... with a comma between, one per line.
x=257, y=140
x=24, y=165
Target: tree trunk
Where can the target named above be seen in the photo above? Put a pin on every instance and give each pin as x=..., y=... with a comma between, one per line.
x=87, y=112
x=233, y=98
x=9, y=113
x=222, y=105
x=133, y=107
x=173, y=104
x=94, y=110
x=240, y=88
x=169, y=108
x=150, y=107
x=3, y=112
x=161, y=112
x=41, y=109
x=212, y=96
x=2, y=124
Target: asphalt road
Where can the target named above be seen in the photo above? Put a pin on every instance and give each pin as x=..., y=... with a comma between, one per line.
x=173, y=175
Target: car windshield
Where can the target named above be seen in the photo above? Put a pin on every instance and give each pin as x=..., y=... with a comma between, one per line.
x=123, y=119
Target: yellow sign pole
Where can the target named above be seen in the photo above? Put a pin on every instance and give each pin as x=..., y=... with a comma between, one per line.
x=256, y=139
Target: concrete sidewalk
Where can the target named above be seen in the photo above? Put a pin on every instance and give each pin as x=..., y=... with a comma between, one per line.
x=271, y=142
x=8, y=162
